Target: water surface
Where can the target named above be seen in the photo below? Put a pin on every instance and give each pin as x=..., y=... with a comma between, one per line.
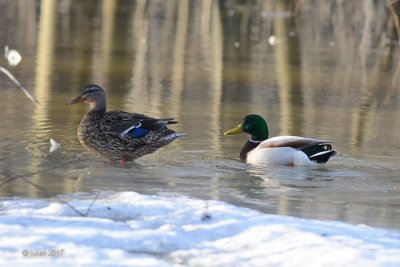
x=207, y=64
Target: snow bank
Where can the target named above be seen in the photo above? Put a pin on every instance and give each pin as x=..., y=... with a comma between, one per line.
x=130, y=229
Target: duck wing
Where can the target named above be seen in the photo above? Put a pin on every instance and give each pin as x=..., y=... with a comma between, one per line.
x=138, y=125
x=296, y=142
x=316, y=150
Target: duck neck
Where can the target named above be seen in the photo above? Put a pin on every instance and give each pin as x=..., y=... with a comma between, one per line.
x=249, y=146
x=93, y=115
x=258, y=135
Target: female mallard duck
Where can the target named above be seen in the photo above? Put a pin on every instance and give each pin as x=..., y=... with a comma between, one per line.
x=287, y=150
x=119, y=135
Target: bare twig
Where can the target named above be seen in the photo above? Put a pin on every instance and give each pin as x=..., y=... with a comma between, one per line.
x=30, y=174
x=20, y=86
x=91, y=204
x=54, y=196
x=23, y=177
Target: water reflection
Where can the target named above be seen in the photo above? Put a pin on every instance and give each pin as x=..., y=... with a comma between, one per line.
x=288, y=67
x=207, y=63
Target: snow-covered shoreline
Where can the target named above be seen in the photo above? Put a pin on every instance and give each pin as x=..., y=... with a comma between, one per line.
x=131, y=229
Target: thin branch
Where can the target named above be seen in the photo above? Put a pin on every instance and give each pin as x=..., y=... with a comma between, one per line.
x=20, y=86
x=30, y=174
x=54, y=196
x=23, y=177
x=10, y=180
x=91, y=204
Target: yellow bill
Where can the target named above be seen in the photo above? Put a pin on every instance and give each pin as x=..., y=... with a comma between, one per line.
x=236, y=130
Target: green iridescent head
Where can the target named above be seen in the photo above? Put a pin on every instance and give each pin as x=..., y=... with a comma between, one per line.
x=254, y=125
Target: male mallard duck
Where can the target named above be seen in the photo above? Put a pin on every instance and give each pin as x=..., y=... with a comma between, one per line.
x=119, y=135
x=287, y=150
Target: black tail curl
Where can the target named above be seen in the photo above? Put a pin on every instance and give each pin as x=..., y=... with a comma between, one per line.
x=320, y=152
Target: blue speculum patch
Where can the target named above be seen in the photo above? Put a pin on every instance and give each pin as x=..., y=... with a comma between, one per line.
x=139, y=132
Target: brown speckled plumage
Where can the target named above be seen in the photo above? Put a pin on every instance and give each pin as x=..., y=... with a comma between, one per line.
x=105, y=133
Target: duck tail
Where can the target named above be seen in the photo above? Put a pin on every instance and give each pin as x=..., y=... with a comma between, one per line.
x=323, y=157
x=170, y=120
x=319, y=153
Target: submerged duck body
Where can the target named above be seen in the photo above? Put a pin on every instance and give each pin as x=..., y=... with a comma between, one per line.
x=119, y=135
x=285, y=150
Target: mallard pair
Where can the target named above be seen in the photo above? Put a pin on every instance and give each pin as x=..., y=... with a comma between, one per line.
x=123, y=136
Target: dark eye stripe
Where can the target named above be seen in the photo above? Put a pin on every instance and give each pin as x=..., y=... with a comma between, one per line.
x=91, y=89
